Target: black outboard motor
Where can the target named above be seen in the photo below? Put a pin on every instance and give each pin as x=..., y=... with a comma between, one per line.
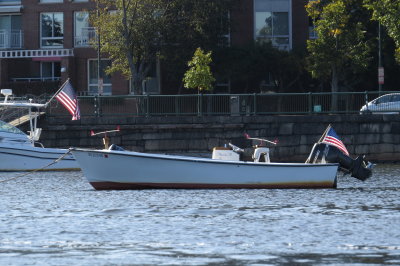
x=359, y=168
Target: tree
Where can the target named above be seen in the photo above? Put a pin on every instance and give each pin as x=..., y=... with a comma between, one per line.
x=252, y=66
x=199, y=74
x=130, y=36
x=341, y=46
x=192, y=24
x=387, y=13
x=141, y=32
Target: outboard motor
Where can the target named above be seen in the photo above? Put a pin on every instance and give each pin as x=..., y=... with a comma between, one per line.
x=325, y=153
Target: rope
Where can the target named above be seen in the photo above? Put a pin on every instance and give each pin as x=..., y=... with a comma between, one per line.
x=36, y=170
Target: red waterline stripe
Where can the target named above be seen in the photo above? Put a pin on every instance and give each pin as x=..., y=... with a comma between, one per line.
x=137, y=186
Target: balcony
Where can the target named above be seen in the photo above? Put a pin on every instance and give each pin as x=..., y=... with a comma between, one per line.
x=13, y=39
x=86, y=38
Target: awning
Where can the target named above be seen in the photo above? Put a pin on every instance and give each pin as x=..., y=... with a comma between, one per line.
x=10, y=9
x=47, y=59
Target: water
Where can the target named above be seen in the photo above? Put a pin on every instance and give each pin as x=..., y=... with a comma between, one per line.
x=58, y=219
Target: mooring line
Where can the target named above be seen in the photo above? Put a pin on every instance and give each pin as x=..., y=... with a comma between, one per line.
x=36, y=170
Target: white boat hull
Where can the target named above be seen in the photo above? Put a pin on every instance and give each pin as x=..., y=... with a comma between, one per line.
x=29, y=158
x=109, y=169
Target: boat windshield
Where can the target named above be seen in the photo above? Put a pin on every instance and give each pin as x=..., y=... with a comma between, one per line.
x=5, y=127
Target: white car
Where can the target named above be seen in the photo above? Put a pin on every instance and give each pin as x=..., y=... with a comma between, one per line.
x=385, y=104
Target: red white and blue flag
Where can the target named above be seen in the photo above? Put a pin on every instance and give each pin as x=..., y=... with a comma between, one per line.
x=67, y=97
x=331, y=138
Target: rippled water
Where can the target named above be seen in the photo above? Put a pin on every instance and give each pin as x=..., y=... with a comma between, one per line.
x=58, y=219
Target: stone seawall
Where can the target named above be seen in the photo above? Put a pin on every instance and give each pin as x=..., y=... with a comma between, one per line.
x=376, y=136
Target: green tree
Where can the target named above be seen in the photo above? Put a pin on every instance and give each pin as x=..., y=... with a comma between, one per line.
x=199, y=75
x=258, y=65
x=192, y=24
x=140, y=32
x=387, y=12
x=341, y=47
x=130, y=36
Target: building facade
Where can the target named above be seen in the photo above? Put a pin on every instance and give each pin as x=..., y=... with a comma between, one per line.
x=47, y=41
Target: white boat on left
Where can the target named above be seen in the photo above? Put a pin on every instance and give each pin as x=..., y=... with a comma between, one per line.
x=23, y=152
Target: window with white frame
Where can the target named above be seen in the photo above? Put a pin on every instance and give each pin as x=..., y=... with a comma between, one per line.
x=52, y=30
x=50, y=70
x=83, y=33
x=10, y=31
x=93, y=81
x=272, y=22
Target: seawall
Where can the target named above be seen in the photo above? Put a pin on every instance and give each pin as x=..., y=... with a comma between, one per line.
x=376, y=136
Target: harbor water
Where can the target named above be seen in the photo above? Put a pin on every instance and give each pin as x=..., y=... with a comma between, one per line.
x=57, y=218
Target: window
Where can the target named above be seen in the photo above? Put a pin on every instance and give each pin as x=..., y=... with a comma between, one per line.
x=10, y=31
x=52, y=30
x=312, y=34
x=272, y=22
x=224, y=38
x=93, y=87
x=83, y=33
x=50, y=70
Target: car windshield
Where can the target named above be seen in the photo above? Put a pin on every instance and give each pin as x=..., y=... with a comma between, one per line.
x=5, y=127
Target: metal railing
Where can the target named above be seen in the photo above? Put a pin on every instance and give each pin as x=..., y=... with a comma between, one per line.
x=220, y=104
x=11, y=39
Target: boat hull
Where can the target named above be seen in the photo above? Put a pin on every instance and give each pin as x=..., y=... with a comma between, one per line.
x=109, y=169
x=29, y=158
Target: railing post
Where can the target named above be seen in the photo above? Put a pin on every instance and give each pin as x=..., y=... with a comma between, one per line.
x=310, y=102
x=254, y=103
x=96, y=106
x=199, y=104
x=147, y=105
x=366, y=99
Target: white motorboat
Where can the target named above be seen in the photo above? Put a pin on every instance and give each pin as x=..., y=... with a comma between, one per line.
x=119, y=169
x=115, y=168
x=22, y=152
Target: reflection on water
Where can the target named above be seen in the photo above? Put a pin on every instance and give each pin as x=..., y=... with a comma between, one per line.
x=58, y=219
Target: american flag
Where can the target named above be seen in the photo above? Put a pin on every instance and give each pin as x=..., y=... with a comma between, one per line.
x=331, y=138
x=67, y=97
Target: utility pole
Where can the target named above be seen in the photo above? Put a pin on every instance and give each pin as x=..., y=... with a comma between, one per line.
x=381, y=73
x=99, y=79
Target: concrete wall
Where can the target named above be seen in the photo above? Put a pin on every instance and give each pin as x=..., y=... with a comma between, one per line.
x=376, y=136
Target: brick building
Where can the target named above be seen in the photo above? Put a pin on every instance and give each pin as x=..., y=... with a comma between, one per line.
x=47, y=41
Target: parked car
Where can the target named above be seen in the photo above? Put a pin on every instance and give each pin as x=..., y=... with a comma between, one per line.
x=385, y=104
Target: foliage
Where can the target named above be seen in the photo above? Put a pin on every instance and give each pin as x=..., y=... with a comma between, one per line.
x=387, y=12
x=341, y=44
x=259, y=66
x=192, y=24
x=130, y=35
x=141, y=32
x=199, y=73
x=341, y=47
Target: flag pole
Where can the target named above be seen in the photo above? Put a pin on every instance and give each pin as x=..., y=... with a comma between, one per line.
x=325, y=132
x=55, y=94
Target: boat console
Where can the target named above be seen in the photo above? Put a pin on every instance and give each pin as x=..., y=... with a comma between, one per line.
x=234, y=153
